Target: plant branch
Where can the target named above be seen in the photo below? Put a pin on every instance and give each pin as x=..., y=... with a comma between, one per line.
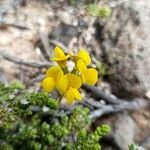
x=107, y=109
x=22, y=62
x=100, y=94
x=11, y=24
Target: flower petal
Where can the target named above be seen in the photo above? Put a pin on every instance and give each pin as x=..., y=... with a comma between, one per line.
x=72, y=94
x=53, y=72
x=58, y=53
x=82, y=77
x=84, y=55
x=77, y=94
x=59, y=75
x=62, y=84
x=81, y=65
x=48, y=84
x=61, y=58
x=74, y=81
x=91, y=76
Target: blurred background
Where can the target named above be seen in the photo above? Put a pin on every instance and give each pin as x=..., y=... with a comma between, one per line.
x=119, y=44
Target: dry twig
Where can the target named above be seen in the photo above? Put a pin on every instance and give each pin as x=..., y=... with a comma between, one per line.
x=12, y=24
x=107, y=109
x=99, y=94
x=92, y=103
x=22, y=62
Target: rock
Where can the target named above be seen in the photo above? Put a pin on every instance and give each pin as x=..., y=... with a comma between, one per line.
x=3, y=78
x=124, y=41
x=148, y=94
x=6, y=5
x=65, y=17
x=123, y=131
x=64, y=33
x=146, y=143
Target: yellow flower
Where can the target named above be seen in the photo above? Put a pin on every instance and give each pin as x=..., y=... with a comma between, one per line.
x=60, y=57
x=88, y=75
x=83, y=55
x=53, y=75
x=69, y=85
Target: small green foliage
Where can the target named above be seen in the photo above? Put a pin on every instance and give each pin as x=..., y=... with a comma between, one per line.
x=104, y=70
x=95, y=10
x=79, y=119
x=17, y=85
x=73, y=3
x=24, y=125
x=133, y=146
x=41, y=99
x=104, y=12
x=103, y=130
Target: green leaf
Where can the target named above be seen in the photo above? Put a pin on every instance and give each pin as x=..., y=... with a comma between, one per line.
x=104, y=12
x=133, y=146
x=93, y=9
x=17, y=85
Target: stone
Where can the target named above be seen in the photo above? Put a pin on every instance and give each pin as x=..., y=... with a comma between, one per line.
x=123, y=131
x=124, y=42
x=64, y=33
x=3, y=78
x=146, y=143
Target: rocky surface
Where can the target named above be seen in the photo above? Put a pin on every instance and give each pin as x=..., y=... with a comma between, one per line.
x=124, y=41
x=145, y=143
x=3, y=78
x=123, y=131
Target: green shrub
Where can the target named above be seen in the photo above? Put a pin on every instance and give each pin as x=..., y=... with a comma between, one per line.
x=34, y=121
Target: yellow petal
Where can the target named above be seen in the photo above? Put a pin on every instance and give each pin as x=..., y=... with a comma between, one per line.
x=61, y=58
x=84, y=55
x=82, y=77
x=59, y=76
x=72, y=94
x=77, y=94
x=62, y=84
x=48, y=84
x=58, y=53
x=91, y=76
x=53, y=72
x=74, y=81
x=81, y=65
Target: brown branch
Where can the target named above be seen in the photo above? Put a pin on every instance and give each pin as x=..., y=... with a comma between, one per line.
x=22, y=62
x=100, y=94
x=11, y=24
x=107, y=109
x=92, y=103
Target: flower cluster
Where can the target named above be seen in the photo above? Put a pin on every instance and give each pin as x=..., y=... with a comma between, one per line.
x=68, y=81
